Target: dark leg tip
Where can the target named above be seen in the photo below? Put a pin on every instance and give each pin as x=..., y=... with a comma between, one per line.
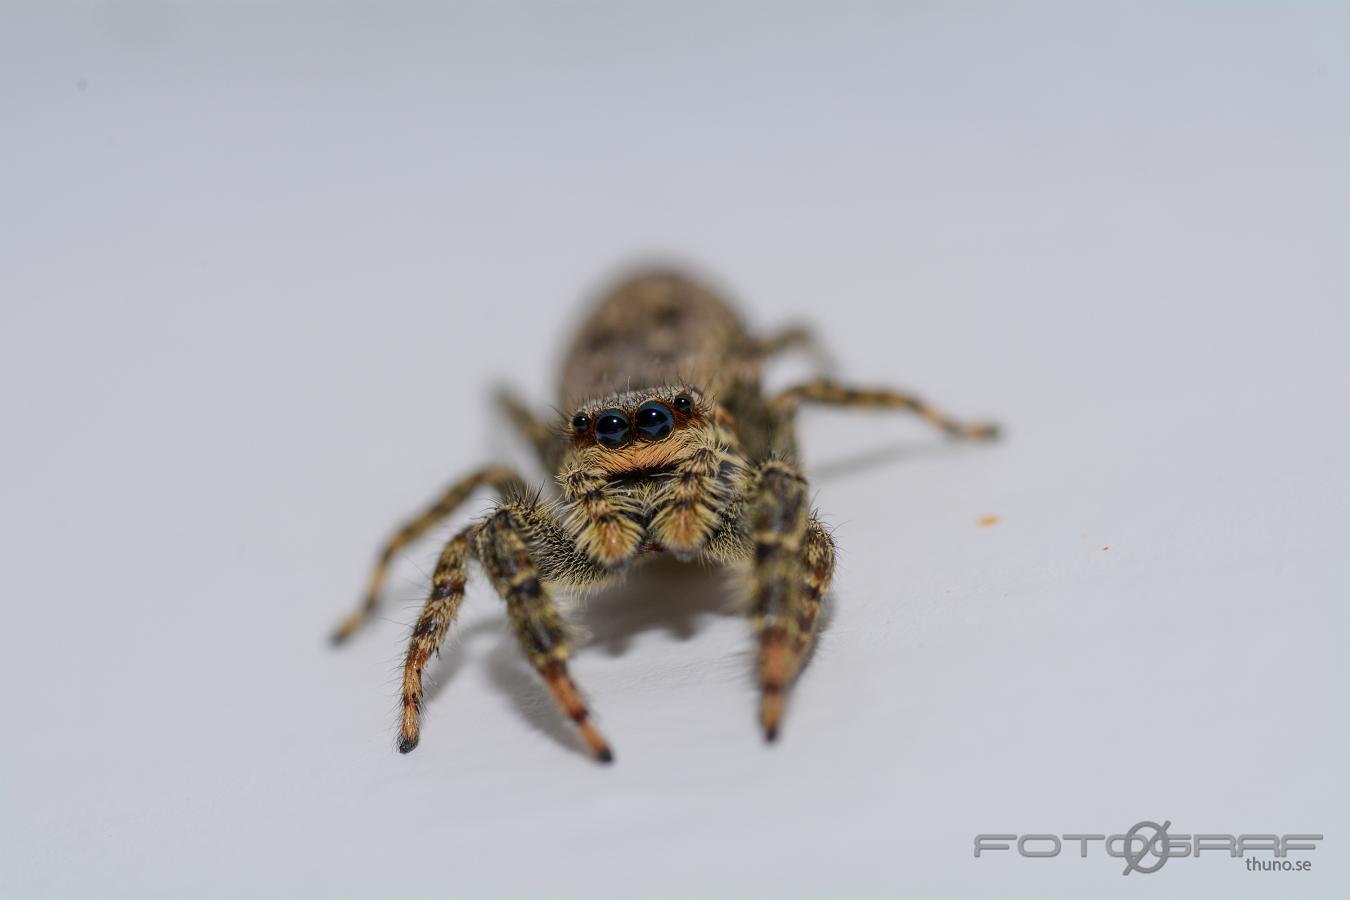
x=604, y=755
x=770, y=734
x=338, y=638
x=407, y=744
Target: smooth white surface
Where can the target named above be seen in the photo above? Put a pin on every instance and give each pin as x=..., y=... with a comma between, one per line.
x=262, y=267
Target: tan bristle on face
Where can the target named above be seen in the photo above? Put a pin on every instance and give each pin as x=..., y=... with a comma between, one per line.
x=642, y=456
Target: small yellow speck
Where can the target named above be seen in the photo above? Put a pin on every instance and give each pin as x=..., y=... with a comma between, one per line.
x=986, y=521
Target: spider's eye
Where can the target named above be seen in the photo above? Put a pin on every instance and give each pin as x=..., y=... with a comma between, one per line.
x=611, y=429
x=654, y=420
x=581, y=423
x=683, y=404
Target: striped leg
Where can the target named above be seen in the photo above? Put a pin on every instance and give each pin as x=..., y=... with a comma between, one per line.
x=502, y=479
x=778, y=518
x=791, y=337
x=447, y=592
x=830, y=392
x=817, y=570
x=501, y=548
x=794, y=337
x=547, y=442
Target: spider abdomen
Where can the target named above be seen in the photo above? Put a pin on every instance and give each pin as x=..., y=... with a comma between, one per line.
x=650, y=329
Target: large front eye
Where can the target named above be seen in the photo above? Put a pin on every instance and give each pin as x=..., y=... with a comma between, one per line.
x=611, y=428
x=654, y=420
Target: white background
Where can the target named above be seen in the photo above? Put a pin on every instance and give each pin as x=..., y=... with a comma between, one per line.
x=261, y=268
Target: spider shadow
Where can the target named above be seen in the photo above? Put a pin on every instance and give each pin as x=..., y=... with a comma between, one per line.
x=881, y=457
x=661, y=594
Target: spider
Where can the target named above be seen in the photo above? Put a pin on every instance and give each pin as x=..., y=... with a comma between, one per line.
x=690, y=458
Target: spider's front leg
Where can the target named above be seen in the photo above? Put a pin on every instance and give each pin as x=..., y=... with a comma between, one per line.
x=502, y=545
x=793, y=561
x=519, y=546
x=438, y=613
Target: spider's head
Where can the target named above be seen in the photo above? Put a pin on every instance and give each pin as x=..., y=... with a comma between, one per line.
x=640, y=431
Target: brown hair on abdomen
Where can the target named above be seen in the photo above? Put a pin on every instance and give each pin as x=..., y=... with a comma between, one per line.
x=653, y=328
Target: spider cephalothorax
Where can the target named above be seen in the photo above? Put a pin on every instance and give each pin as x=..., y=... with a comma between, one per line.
x=661, y=467
x=649, y=469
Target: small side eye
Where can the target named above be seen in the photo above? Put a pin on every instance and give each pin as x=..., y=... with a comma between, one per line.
x=683, y=404
x=611, y=428
x=581, y=423
x=654, y=420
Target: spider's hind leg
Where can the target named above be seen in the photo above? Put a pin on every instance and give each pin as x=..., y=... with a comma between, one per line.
x=829, y=392
x=794, y=337
x=541, y=435
x=504, y=480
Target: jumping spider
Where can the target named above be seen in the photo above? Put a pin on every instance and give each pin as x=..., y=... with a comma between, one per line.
x=691, y=459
